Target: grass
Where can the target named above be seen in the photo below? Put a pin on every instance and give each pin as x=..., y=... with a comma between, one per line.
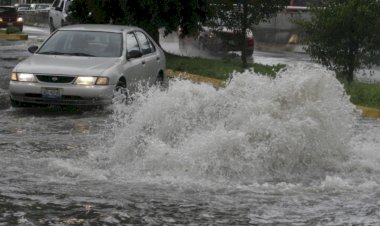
x=216, y=68
x=363, y=94
x=10, y=30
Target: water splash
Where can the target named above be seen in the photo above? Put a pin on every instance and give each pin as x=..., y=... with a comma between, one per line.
x=295, y=127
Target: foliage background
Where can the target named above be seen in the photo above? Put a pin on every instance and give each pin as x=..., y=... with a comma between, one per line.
x=344, y=35
x=151, y=15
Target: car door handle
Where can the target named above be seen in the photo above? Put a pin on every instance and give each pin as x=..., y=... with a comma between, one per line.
x=143, y=62
x=158, y=58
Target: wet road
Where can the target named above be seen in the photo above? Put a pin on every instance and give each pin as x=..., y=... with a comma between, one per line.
x=289, y=151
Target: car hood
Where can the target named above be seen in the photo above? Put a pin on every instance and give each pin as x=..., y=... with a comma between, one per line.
x=65, y=65
x=7, y=15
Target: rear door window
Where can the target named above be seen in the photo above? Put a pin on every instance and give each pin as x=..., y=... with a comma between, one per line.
x=146, y=45
x=132, y=44
x=56, y=3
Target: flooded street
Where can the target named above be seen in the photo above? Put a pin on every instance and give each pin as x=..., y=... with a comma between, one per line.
x=288, y=151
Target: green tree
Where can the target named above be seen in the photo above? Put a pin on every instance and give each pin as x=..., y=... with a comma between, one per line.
x=151, y=15
x=241, y=16
x=344, y=35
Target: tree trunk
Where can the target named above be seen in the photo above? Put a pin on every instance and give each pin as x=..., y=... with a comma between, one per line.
x=350, y=75
x=243, y=35
x=156, y=36
x=351, y=66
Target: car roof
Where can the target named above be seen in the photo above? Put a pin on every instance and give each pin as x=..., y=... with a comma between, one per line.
x=99, y=27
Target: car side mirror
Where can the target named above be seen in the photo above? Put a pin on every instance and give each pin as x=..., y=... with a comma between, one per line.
x=134, y=54
x=32, y=49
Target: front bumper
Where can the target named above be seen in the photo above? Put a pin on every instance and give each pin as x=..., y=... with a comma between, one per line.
x=69, y=94
x=5, y=24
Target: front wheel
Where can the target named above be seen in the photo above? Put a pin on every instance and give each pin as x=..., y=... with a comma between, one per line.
x=120, y=93
x=162, y=81
x=19, y=104
x=15, y=103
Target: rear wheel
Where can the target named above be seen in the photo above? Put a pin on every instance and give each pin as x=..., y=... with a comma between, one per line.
x=160, y=79
x=249, y=52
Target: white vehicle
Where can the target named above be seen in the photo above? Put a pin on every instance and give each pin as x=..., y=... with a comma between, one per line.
x=58, y=14
x=85, y=65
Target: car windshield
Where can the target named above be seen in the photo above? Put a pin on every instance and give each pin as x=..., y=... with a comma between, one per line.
x=84, y=43
x=42, y=6
x=7, y=10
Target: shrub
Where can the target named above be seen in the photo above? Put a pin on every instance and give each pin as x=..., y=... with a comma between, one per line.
x=12, y=30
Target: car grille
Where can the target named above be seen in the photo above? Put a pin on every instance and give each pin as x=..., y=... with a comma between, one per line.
x=55, y=79
x=9, y=19
x=64, y=97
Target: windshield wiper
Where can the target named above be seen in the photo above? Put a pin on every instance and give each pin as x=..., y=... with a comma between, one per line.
x=80, y=54
x=52, y=53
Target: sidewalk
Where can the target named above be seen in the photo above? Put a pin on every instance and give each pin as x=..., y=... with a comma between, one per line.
x=21, y=36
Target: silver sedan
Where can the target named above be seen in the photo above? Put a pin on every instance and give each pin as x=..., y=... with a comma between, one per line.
x=85, y=65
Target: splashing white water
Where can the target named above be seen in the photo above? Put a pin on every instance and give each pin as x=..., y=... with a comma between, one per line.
x=294, y=127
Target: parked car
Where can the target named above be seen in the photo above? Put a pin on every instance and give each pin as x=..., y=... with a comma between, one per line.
x=9, y=17
x=40, y=7
x=22, y=7
x=58, y=14
x=85, y=65
x=223, y=40
x=217, y=41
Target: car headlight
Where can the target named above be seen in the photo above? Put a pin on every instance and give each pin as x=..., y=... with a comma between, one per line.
x=102, y=81
x=20, y=19
x=88, y=81
x=1, y=19
x=23, y=77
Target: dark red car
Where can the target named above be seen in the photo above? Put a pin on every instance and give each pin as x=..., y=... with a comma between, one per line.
x=9, y=18
x=216, y=41
x=223, y=41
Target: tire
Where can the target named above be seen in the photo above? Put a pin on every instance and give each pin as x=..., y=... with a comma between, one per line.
x=121, y=93
x=160, y=79
x=15, y=103
x=19, y=104
x=249, y=52
x=120, y=87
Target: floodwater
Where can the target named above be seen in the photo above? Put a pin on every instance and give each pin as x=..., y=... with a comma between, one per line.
x=288, y=151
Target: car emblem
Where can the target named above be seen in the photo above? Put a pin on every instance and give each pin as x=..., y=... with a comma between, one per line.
x=54, y=79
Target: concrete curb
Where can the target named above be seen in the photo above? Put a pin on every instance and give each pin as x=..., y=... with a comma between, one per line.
x=14, y=36
x=217, y=83
x=369, y=112
x=195, y=78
